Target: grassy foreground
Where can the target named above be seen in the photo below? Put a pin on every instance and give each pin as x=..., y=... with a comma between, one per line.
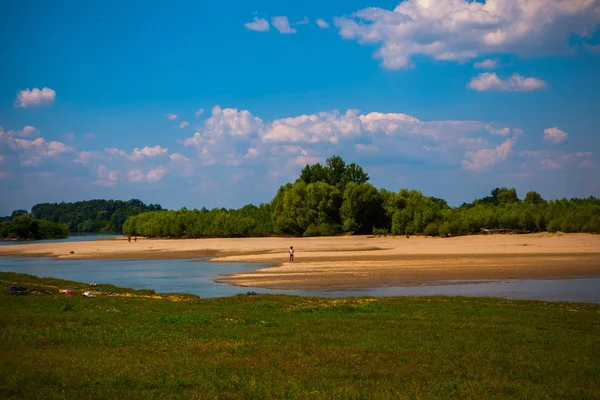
x=134, y=344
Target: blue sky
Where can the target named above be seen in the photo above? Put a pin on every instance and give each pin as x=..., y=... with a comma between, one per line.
x=99, y=99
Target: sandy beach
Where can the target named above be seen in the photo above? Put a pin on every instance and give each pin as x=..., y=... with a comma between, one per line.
x=356, y=261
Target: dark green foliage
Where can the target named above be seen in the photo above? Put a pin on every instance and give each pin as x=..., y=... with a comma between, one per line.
x=323, y=230
x=417, y=213
x=298, y=206
x=533, y=198
x=335, y=198
x=362, y=208
x=92, y=215
x=27, y=227
x=246, y=222
x=289, y=347
x=335, y=173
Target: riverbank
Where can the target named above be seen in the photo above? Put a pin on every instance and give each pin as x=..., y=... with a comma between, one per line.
x=357, y=261
x=139, y=344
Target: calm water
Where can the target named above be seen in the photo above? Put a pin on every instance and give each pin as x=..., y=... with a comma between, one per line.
x=73, y=237
x=187, y=276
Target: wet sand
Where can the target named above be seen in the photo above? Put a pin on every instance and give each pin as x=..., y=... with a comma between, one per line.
x=357, y=261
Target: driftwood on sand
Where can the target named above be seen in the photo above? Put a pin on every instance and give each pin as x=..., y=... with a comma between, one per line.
x=504, y=231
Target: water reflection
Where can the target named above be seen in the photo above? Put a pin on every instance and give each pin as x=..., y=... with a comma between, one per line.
x=169, y=276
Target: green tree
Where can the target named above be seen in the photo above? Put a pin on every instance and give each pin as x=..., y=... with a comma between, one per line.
x=362, y=208
x=314, y=173
x=533, y=198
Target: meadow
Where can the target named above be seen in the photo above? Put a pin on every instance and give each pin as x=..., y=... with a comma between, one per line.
x=138, y=344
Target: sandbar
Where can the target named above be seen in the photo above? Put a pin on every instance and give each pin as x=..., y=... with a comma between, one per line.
x=356, y=261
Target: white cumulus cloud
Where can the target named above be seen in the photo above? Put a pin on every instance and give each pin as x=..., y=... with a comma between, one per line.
x=483, y=159
x=490, y=63
x=555, y=135
x=460, y=30
x=137, y=154
x=155, y=151
x=321, y=23
x=106, y=177
x=34, y=152
x=172, y=117
x=233, y=137
x=35, y=97
x=183, y=124
x=153, y=175
x=282, y=25
x=258, y=25
x=489, y=81
x=222, y=136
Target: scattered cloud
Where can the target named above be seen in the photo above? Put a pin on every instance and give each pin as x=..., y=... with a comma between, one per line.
x=199, y=112
x=232, y=137
x=282, y=25
x=90, y=136
x=252, y=153
x=482, y=160
x=461, y=30
x=34, y=152
x=155, y=151
x=172, y=117
x=222, y=137
x=490, y=63
x=27, y=131
x=83, y=157
x=106, y=177
x=137, y=154
x=116, y=153
x=321, y=23
x=516, y=83
x=555, y=135
x=559, y=160
x=503, y=131
x=258, y=25
x=230, y=121
x=181, y=164
x=322, y=127
x=35, y=97
x=153, y=175
x=183, y=124
x=303, y=21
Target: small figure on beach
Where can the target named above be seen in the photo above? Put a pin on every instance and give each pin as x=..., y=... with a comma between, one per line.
x=129, y=239
x=291, y=254
x=135, y=238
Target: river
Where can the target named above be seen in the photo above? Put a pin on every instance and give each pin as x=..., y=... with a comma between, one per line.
x=190, y=276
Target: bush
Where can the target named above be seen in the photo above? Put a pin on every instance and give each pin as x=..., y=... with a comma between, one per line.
x=380, y=231
x=323, y=230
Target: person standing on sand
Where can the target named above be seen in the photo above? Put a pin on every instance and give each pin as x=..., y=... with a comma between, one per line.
x=291, y=254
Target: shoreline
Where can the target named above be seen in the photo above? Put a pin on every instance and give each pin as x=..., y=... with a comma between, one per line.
x=345, y=262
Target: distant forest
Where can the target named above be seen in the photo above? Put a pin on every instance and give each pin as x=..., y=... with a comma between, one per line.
x=92, y=215
x=23, y=226
x=331, y=199
x=336, y=198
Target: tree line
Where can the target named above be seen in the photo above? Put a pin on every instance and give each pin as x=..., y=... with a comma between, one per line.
x=24, y=226
x=336, y=198
x=92, y=215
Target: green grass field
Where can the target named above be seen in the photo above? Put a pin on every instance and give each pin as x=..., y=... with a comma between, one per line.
x=279, y=347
